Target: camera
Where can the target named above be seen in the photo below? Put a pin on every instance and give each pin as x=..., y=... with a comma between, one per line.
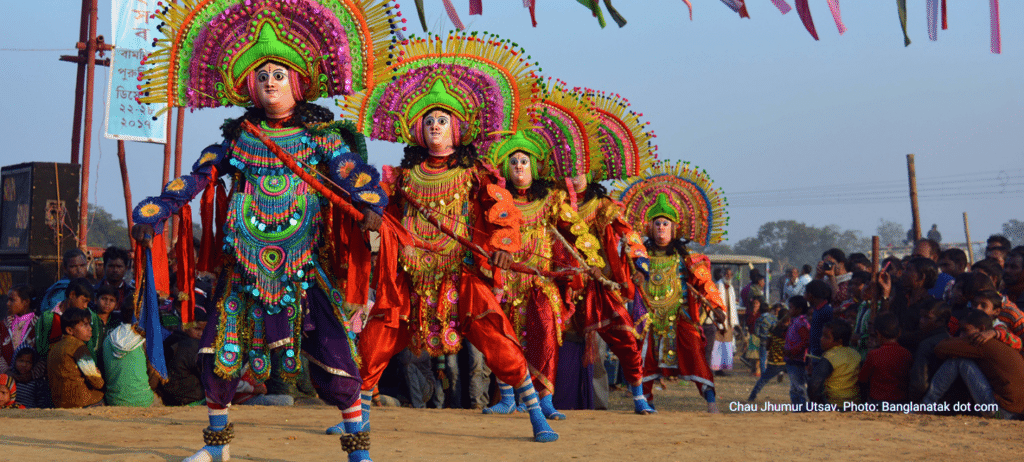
x=827, y=265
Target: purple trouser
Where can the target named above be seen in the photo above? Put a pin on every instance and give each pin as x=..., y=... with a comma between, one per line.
x=325, y=343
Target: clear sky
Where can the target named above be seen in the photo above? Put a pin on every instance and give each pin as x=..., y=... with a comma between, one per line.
x=788, y=127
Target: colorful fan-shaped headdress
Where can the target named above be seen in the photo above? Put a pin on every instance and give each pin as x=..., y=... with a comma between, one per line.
x=564, y=132
x=211, y=46
x=484, y=82
x=626, y=148
x=679, y=192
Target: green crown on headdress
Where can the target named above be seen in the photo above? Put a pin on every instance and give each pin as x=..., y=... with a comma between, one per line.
x=662, y=208
x=528, y=142
x=437, y=97
x=268, y=47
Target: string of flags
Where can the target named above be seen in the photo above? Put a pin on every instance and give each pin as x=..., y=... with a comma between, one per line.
x=934, y=9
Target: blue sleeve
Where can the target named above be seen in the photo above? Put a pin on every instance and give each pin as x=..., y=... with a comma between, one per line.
x=816, y=382
x=156, y=210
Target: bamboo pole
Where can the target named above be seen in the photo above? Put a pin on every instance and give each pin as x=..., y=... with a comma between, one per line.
x=90, y=74
x=970, y=247
x=127, y=188
x=875, y=253
x=912, y=178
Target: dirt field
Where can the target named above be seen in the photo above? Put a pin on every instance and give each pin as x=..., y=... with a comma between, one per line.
x=680, y=431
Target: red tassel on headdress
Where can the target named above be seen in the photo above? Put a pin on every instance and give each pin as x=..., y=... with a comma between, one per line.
x=186, y=270
x=944, y=24
x=476, y=7
x=206, y=211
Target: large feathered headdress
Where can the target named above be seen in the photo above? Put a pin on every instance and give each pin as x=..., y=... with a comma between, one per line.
x=679, y=192
x=211, y=46
x=626, y=147
x=483, y=81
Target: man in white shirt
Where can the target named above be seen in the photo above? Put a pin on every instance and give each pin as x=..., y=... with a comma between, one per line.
x=792, y=286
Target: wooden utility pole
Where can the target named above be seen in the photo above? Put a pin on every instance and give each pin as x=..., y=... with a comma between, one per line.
x=874, y=273
x=970, y=246
x=912, y=176
x=127, y=189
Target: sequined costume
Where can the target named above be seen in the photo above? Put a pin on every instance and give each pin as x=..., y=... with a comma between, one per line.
x=680, y=292
x=276, y=257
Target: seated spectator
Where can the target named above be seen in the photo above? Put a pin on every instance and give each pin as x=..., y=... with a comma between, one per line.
x=776, y=362
x=33, y=392
x=20, y=323
x=992, y=268
x=254, y=393
x=954, y=263
x=9, y=393
x=885, y=371
x=834, y=378
x=71, y=371
x=75, y=266
x=992, y=370
x=933, y=328
x=129, y=377
x=116, y=263
x=184, y=386
x=48, y=331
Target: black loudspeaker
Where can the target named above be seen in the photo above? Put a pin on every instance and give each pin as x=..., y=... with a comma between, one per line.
x=39, y=211
x=38, y=273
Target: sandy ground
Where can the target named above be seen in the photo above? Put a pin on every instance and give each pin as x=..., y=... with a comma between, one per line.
x=680, y=431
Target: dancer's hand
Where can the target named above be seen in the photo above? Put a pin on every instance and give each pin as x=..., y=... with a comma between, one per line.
x=143, y=234
x=595, y=273
x=719, y=315
x=500, y=259
x=371, y=221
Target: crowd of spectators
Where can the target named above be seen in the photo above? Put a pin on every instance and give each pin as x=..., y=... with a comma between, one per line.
x=924, y=332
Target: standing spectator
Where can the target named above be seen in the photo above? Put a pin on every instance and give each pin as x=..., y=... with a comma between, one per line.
x=116, y=263
x=857, y=311
x=805, y=275
x=934, y=234
x=818, y=295
x=724, y=348
x=795, y=349
x=792, y=286
x=75, y=266
x=776, y=363
x=918, y=277
x=997, y=247
x=33, y=392
x=834, y=378
x=129, y=378
x=832, y=270
x=887, y=368
x=952, y=262
x=1013, y=276
x=19, y=327
x=858, y=262
x=71, y=371
x=762, y=330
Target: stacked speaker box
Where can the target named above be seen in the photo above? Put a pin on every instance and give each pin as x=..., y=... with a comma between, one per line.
x=38, y=221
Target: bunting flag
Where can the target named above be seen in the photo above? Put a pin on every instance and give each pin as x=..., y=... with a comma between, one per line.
x=833, y=6
x=476, y=7
x=738, y=6
x=901, y=5
x=931, y=9
x=997, y=43
x=782, y=6
x=453, y=15
x=804, y=11
x=689, y=6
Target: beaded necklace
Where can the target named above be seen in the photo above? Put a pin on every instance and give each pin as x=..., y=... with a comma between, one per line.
x=665, y=291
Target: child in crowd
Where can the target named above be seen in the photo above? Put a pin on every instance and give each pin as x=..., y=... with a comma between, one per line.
x=74, y=379
x=990, y=302
x=765, y=323
x=886, y=370
x=933, y=324
x=795, y=349
x=8, y=393
x=775, y=341
x=834, y=378
x=129, y=377
x=20, y=325
x=33, y=392
x=106, y=305
x=79, y=296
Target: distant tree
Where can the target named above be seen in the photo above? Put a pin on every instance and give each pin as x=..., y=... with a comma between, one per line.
x=890, y=233
x=1014, y=231
x=713, y=249
x=105, y=230
x=796, y=243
